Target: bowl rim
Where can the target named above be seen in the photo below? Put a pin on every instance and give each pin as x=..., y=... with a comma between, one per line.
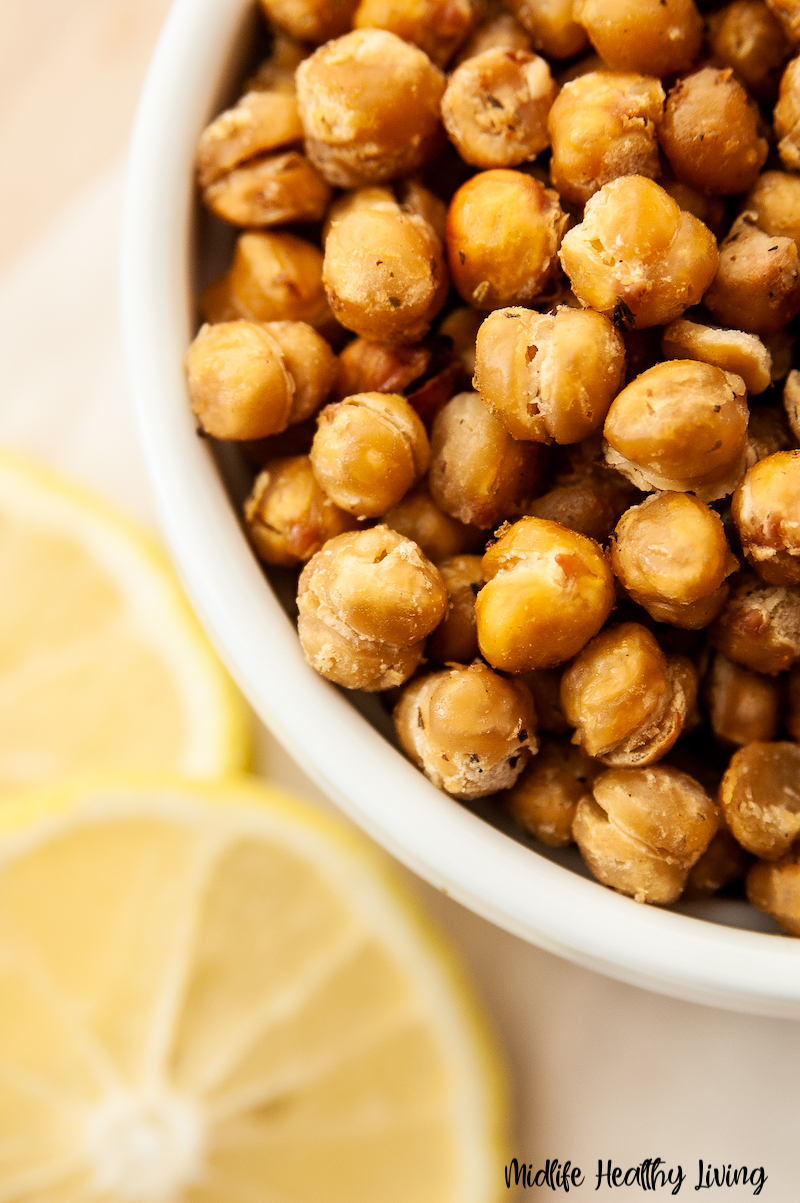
x=435, y=836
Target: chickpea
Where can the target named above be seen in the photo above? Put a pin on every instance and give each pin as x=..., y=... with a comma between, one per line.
x=268, y=191
x=710, y=134
x=551, y=25
x=546, y=795
x=369, y=450
x=418, y=201
x=549, y=376
x=503, y=233
x=374, y=367
x=260, y=121
x=711, y=210
x=278, y=277
x=437, y=26
x=724, y=861
x=644, y=830
x=310, y=20
x=479, y=473
x=637, y=256
x=742, y=705
x=767, y=433
x=461, y=327
x=545, y=687
x=455, y=639
x=277, y=70
x=759, y=626
x=440, y=537
x=495, y=107
x=603, y=125
x=774, y=199
x=287, y=514
x=791, y=402
x=760, y=797
x=766, y=509
x=384, y=274
x=775, y=888
x=585, y=508
x=651, y=37
x=786, y=116
x=788, y=13
x=731, y=350
x=310, y=362
x=548, y=592
x=745, y=35
x=369, y=103
x=757, y=285
x=499, y=31
x=239, y=385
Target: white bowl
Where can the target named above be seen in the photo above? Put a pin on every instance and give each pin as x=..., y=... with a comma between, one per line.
x=544, y=899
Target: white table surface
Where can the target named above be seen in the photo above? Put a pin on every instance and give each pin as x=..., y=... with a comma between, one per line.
x=600, y=1069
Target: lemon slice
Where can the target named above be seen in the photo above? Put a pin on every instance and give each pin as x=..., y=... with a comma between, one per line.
x=211, y=994
x=102, y=662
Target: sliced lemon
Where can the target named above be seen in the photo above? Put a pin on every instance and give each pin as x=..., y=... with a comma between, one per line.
x=214, y=995
x=101, y=660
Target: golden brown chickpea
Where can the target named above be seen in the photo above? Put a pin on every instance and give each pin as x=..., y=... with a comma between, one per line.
x=373, y=367
x=775, y=201
x=369, y=450
x=418, y=517
x=239, y=384
x=711, y=210
x=671, y=555
x=788, y=13
x=504, y=229
x=757, y=284
x=310, y=20
x=548, y=592
x=469, y=730
x=745, y=35
x=551, y=25
x=310, y=362
x=603, y=125
x=723, y=862
x=549, y=376
x=479, y=473
x=644, y=830
x=278, y=68
x=545, y=797
x=461, y=326
x=786, y=116
x=775, y=889
x=287, y=514
x=369, y=103
x=367, y=602
x=545, y=687
x=384, y=273
x=759, y=626
x=710, y=135
x=652, y=37
x=495, y=107
x=259, y=122
x=268, y=191
x=766, y=510
x=585, y=507
x=767, y=433
x=278, y=277
x=731, y=350
x=743, y=706
x=455, y=639
x=760, y=797
x=681, y=425
x=437, y=26
x=417, y=200
x=637, y=256
x=791, y=402
x=499, y=31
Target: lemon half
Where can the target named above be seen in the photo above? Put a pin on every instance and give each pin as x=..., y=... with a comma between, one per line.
x=211, y=994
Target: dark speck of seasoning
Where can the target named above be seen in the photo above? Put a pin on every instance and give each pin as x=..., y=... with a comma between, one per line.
x=512, y=764
x=622, y=315
x=379, y=263
x=473, y=758
x=523, y=735
x=462, y=257
x=395, y=301
x=494, y=102
x=475, y=587
x=420, y=720
x=445, y=756
x=700, y=137
x=717, y=408
x=771, y=248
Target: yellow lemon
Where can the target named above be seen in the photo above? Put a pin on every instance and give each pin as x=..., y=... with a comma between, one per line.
x=214, y=995
x=102, y=662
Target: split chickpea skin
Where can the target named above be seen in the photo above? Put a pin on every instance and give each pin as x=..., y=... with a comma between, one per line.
x=508, y=332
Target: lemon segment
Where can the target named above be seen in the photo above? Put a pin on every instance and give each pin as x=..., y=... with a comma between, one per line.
x=212, y=995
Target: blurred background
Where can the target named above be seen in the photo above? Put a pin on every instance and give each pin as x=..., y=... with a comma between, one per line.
x=601, y=1070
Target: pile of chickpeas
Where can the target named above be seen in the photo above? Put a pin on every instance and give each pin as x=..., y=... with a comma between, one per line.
x=507, y=339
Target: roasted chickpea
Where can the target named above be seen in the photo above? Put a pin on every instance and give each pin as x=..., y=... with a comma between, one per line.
x=548, y=592
x=775, y=889
x=545, y=687
x=455, y=639
x=259, y=122
x=418, y=517
x=584, y=507
x=724, y=861
x=551, y=25
x=760, y=797
x=369, y=450
x=479, y=473
x=644, y=829
x=288, y=516
x=637, y=256
x=546, y=795
x=711, y=210
x=786, y=115
x=757, y=284
x=278, y=277
x=310, y=20
x=437, y=26
x=603, y=125
x=495, y=107
x=369, y=103
x=276, y=71
x=791, y=402
x=503, y=233
x=774, y=200
x=745, y=35
x=653, y=37
x=373, y=367
x=759, y=626
x=499, y=31
x=742, y=705
x=767, y=433
x=310, y=362
x=268, y=191
x=461, y=327
x=239, y=384
x=414, y=198
x=549, y=376
x=766, y=509
x=731, y=350
x=671, y=555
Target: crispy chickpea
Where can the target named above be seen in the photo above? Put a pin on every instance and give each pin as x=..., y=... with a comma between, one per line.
x=259, y=122
x=479, y=473
x=745, y=35
x=503, y=233
x=495, y=107
x=551, y=25
x=549, y=376
x=775, y=889
x=711, y=210
x=786, y=116
x=369, y=450
x=767, y=433
x=373, y=367
x=384, y=273
x=278, y=277
x=414, y=198
x=791, y=402
x=455, y=639
x=369, y=103
x=310, y=362
x=546, y=795
x=757, y=285
x=760, y=797
x=759, y=626
x=637, y=256
x=310, y=20
x=766, y=510
x=278, y=68
x=775, y=201
x=499, y=31
x=437, y=26
x=461, y=327
x=469, y=730
x=742, y=705
x=548, y=592
x=418, y=517
x=584, y=507
x=603, y=125
x=545, y=687
x=724, y=861
x=644, y=829
x=268, y=191
x=652, y=37
x=731, y=350
x=239, y=384
x=287, y=514
x=710, y=135
x=788, y=13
